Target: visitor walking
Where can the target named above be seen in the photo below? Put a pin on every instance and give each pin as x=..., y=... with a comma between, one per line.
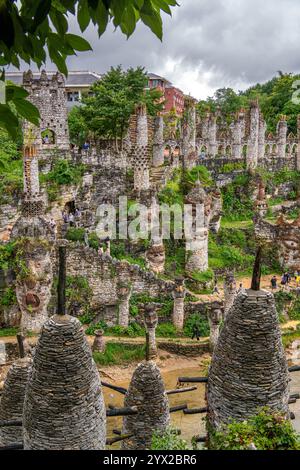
x=196, y=333
x=71, y=219
x=274, y=283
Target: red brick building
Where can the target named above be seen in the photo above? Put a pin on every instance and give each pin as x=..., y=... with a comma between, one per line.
x=174, y=98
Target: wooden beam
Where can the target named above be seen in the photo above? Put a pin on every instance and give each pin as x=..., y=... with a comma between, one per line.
x=173, y=409
x=192, y=379
x=122, y=411
x=61, y=286
x=112, y=440
x=121, y=390
x=180, y=390
x=6, y=424
x=194, y=411
x=294, y=369
x=14, y=446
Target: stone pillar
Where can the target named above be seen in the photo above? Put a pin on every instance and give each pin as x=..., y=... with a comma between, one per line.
x=124, y=293
x=212, y=146
x=99, y=342
x=197, y=239
x=216, y=211
x=155, y=257
x=230, y=292
x=214, y=317
x=237, y=139
x=12, y=401
x=282, y=129
x=260, y=205
x=141, y=151
x=189, y=131
x=261, y=139
x=64, y=407
x=34, y=236
x=178, y=306
x=249, y=368
x=158, y=142
x=146, y=391
x=298, y=146
x=151, y=322
x=252, y=156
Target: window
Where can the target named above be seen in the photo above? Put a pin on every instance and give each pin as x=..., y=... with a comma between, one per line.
x=73, y=96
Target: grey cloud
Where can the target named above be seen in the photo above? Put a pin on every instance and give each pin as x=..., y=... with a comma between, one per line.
x=207, y=44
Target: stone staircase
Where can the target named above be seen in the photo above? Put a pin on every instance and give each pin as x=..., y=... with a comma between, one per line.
x=158, y=177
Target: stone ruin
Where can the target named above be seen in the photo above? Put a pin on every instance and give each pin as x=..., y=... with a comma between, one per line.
x=245, y=139
x=179, y=294
x=230, y=291
x=12, y=401
x=248, y=369
x=206, y=214
x=33, y=231
x=284, y=235
x=49, y=96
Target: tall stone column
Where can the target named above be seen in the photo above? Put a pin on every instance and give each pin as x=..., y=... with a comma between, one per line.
x=262, y=139
x=282, y=137
x=34, y=237
x=212, y=147
x=237, y=139
x=298, y=146
x=178, y=306
x=155, y=255
x=261, y=205
x=158, y=142
x=189, y=131
x=197, y=240
x=230, y=292
x=141, y=151
x=151, y=322
x=252, y=156
x=124, y=292
x=214, y=317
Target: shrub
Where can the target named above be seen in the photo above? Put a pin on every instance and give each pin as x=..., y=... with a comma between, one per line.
x=9, y=297
x=166, y=330
x=267, y=430
x=201, y=323
x=75, y=234
x=168, y=440
x=117, y=353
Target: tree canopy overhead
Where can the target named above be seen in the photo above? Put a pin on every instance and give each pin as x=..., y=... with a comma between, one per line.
x=29, y=29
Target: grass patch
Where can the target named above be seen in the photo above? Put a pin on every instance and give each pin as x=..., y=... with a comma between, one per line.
x=116, y=354
x=8, y=332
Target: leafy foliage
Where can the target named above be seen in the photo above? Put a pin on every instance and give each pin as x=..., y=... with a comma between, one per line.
x=198, y=321
x=117, y=353
x=267, y=431
x=107, y=112
x=168, y=440
x=31, y=31
x=11, y=167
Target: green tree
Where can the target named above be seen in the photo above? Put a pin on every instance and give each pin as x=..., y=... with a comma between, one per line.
x=106, y=114
x=77, y=126
x=31, y=29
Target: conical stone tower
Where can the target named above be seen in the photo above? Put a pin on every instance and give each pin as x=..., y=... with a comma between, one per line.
x=64, y=407
x=12, y=401
x=249, y=368
x=147, y=392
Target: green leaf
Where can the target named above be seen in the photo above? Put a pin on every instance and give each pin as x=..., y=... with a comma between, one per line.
x=8, y=120
x=58, y=59
x=41, y=14
x=59, y=21
x=101, y=16
x=152, y=19
x=83, y=15
x=15, y=92
x=162, y=5
x=78, y=43
x=27, y=110
x=128, y=21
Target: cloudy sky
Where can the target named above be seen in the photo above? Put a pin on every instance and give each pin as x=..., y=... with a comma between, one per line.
x=207, y=44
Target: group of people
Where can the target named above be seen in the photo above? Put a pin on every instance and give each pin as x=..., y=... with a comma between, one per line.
x=286, y=280
x=70, y=217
